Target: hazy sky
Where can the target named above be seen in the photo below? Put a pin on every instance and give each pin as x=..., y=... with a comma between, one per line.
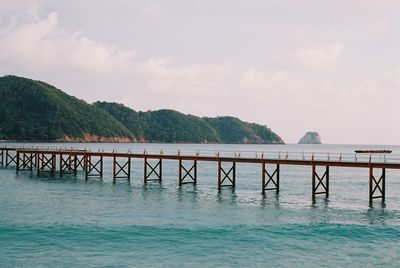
x=295, y=66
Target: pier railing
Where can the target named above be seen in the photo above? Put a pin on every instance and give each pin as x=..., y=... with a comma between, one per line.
x=70, y=160
x=249, y=154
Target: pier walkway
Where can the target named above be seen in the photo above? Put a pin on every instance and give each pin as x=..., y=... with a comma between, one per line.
x=69, y=161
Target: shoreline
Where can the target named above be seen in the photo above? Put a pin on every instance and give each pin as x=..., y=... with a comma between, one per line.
x=127, y=142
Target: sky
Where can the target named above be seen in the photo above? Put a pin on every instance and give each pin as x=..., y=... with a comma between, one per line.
x=292, y=65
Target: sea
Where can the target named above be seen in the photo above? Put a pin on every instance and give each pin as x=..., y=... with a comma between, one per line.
x=73, y=222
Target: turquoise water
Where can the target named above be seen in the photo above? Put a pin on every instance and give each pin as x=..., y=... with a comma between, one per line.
x=70, y=221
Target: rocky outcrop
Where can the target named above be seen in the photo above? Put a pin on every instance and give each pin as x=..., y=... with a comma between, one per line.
x=310, y=138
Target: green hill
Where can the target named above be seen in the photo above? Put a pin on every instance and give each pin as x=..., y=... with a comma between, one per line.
x=172, y=126
x=232, y=130
x=36, y=111
x=33, y=110
x=162, y=125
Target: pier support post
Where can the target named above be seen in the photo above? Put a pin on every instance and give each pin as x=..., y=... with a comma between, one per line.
x=2, y=157
x=121, y=171
x=187, y=173
x=223, y=175
x=67, y=164
x=10, y=158
x=273, y=179
x=80, y=162
x=156, y=170
x=320, y=182
x=18, y=160
x=375, y=184
x=25, y=161
x=93, y=168
x=45, y=163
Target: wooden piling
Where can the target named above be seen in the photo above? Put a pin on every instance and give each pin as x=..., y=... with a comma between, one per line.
x=383, y=184
x=9, y=158
x=145, y=170
x=327, y=182
x=180, y=171
x=67, y=165
x=125, y=169
x=156, y=170
x=230, y=175
x=371, y=175
x=313, y=183
x=93, y=169
x=320, y=182
x=46, y=164
x=18, y=160
x=219, y=174
x=187, y=172
x=273, y=178
x=375, y=185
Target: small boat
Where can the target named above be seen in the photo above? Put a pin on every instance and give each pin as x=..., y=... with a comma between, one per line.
x=373, y=151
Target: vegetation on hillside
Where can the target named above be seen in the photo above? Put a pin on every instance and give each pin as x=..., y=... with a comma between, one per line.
x=172, y=126
x=33, y=110
x=233, y=130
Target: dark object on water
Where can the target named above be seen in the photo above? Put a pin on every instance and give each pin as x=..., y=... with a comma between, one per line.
x=373, y=151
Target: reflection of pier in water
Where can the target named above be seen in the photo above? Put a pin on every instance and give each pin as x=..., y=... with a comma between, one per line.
x=44, y=161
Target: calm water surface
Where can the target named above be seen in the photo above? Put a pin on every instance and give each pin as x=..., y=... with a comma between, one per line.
x=70, y=221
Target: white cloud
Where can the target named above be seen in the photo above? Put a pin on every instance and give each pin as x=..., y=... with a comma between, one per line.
x=44, y=45
x=257, y=79
x=283, y=93
x=320, y=57
x=253, y=77
x=41, y=48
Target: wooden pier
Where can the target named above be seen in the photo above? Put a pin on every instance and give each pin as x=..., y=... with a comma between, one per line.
x=44, y=161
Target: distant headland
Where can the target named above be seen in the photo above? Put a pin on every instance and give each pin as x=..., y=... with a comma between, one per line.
x=310, y=138
x=36, y=111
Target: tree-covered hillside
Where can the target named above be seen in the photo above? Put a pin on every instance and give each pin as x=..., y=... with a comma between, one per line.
x=162, y=125
x=36, y=111
x=232, y=130
x=172, y=126
x=33, y=110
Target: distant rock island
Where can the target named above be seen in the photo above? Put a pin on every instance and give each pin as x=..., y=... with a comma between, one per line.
x=36, y=111
x=310, y=138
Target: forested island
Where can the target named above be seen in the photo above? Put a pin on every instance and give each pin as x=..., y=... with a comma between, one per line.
x=36, y=111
